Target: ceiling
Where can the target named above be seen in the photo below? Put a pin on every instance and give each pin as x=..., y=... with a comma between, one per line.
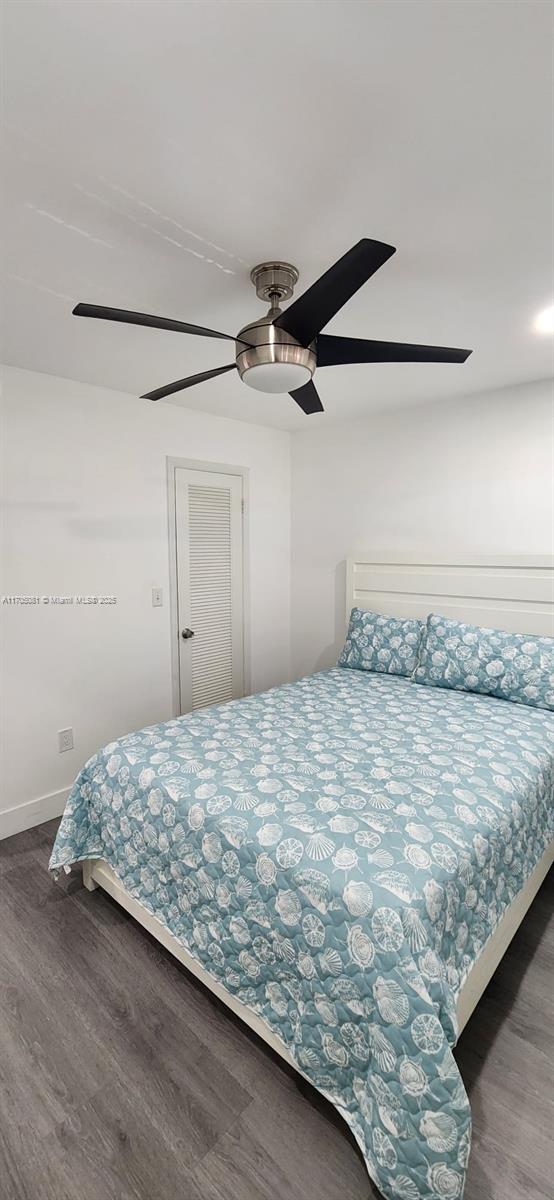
x=155, y=152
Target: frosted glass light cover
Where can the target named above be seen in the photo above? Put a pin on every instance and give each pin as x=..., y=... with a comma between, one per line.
x=277, y=377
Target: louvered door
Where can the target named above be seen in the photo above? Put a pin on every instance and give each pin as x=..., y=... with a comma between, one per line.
x=210, y=587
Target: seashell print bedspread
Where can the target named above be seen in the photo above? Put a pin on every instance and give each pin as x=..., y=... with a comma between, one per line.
x=336, y=852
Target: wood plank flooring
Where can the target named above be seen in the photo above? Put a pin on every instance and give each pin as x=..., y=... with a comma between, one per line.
x=121, y=1078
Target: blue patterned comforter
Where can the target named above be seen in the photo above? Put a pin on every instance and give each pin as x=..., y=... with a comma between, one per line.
x=336, y=852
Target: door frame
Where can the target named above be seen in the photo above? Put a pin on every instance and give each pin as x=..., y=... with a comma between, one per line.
x=191, y=464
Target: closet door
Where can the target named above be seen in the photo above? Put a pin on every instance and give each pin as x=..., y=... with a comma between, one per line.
x=209, y=546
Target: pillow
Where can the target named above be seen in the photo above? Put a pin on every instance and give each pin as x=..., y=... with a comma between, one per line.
x=511, y=666
x=377, y=643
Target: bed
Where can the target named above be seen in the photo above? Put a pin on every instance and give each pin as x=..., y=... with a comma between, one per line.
x=344, y=860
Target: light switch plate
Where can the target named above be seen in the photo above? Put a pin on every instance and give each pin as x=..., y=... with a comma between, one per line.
x=65, y=740
x=157, y=597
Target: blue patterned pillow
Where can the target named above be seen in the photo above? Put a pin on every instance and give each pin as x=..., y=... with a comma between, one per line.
x=511, y=666
x=377, y=643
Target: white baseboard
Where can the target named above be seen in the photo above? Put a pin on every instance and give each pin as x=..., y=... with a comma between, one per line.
x=34, y=812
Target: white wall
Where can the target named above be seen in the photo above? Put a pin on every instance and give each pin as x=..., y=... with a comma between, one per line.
x=472, y=475
x=86, y=513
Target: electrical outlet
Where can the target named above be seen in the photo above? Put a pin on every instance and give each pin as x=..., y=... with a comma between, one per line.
x=157, y=597
x=65, y=740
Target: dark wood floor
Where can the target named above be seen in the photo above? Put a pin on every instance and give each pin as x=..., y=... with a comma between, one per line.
x=120, y=1077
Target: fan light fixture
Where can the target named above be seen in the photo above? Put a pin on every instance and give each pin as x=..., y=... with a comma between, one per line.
x=277, y=376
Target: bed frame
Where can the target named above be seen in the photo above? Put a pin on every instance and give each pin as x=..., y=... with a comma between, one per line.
x=516, y=594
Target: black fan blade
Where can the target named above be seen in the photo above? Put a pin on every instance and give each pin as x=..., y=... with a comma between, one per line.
x=307, y=398
x=190, y=381
x=137, y=318
x=333, y=350
x=310, y=313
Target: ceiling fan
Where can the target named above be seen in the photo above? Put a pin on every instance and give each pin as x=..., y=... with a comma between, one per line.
x=280, y=352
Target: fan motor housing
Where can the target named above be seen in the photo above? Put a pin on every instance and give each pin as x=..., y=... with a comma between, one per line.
x=270, y=345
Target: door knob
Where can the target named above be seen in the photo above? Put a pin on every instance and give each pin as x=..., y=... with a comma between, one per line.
x=187, y=633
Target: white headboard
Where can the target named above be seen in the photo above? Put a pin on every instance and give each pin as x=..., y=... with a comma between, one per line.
x=515, y=593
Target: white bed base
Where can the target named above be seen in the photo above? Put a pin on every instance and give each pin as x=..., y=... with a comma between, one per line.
x=516, y=594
